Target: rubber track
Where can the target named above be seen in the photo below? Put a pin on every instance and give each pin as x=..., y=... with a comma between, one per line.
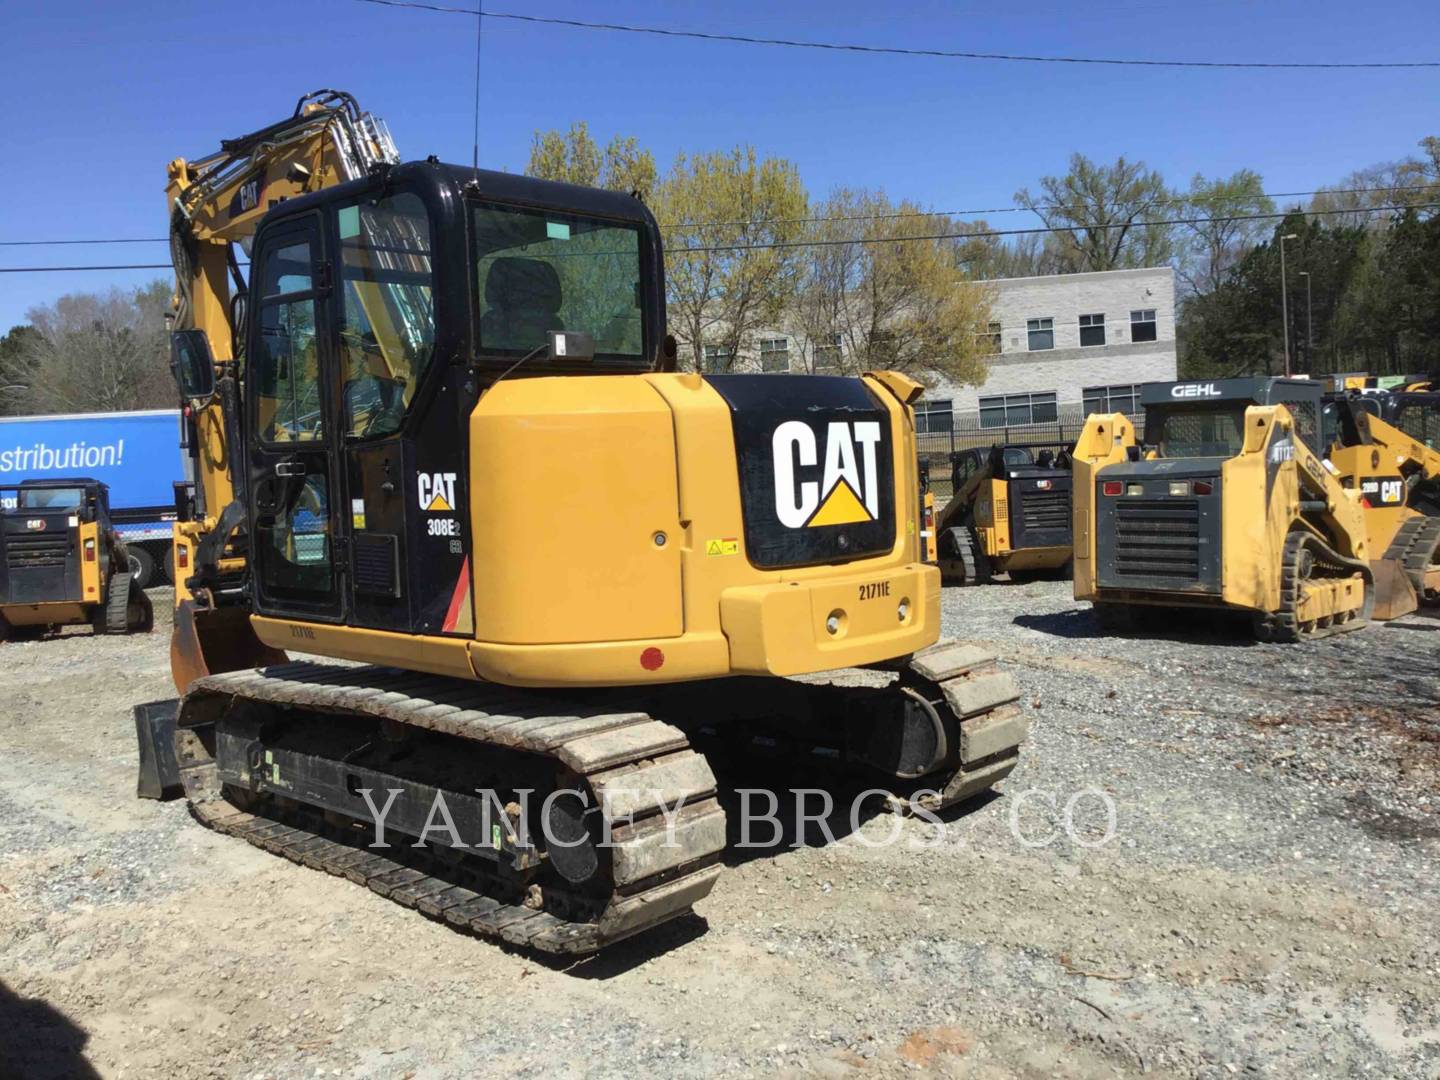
x=964, y=684
x=610, y=747
x=1416, y=547
x=117, y=603
x=1284, y=625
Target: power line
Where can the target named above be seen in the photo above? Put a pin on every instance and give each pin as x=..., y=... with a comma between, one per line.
x=1178, y=200
x=55, y=243
x=994, y=233
x=985, y=235
x=1175, y=200
x=945, y=54
x=54, y=269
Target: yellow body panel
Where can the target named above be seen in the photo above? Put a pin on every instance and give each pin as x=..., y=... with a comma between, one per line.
x=1105, y=440
x=61, y=613
x=621, y=460
x=607, y=568
x=1036, y=558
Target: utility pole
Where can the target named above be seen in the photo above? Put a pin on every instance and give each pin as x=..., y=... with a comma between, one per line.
x=1285, y=302
x=1309, y=323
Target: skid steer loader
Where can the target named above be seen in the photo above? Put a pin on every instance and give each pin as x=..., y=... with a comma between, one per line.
x=441, y=433
x=1394, y=473
x=62, y=563
x=1009, y=514
x=1225, y=504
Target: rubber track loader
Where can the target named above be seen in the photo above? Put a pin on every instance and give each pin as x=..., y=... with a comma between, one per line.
x=439, y=431
x=1393, y=473
x=1226, y=504
x=1009, y=514
x=63, y=564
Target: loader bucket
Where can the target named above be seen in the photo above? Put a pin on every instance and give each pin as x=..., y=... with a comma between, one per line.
x=1394, y=592
x=207, y=641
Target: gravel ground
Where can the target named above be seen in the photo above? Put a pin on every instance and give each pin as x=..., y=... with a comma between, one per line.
x=1264, y=903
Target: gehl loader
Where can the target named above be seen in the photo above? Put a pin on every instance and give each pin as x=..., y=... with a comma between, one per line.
x=439, y=431
x=1009, y=514
x=1227, y=503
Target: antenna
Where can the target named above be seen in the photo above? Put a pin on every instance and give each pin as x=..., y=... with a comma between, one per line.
x=479, y=25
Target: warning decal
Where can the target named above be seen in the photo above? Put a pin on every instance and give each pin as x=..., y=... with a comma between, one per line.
x=730, y=545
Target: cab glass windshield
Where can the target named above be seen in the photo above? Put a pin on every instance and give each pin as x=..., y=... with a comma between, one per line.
x=538, y=271
x=51, y=498
x=1198, y=432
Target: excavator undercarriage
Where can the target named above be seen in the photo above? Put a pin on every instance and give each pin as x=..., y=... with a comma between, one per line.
x=556, y=823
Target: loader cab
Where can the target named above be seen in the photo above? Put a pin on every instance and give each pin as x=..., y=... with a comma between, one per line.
x=379, y=311
x=1207, y=419
x=52, y=536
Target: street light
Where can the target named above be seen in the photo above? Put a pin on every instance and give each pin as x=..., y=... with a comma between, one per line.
x=1284, y=303
x=1309, y=323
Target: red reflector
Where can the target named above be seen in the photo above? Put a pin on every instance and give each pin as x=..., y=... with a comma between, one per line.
x=652, y=659
x=1114, y=487
x=1365, y=503
x=1202, y=487
x=182, y=558
x=89, y=550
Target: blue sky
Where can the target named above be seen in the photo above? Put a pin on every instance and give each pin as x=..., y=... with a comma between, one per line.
x=98, y=97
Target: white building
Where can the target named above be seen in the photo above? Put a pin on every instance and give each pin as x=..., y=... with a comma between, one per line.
x=1065, y=345
x=1081, y=340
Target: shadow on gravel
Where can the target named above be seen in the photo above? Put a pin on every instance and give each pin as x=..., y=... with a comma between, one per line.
x=38, y=1041
x=1180, y=625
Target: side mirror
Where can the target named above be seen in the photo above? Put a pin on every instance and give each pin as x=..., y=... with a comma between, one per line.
x=192, y=365
x=571, y=346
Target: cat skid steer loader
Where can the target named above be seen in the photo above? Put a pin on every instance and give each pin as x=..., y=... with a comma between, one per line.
x=1393, y=472
x=1010, y=514
x=440, y=432
x=62, y=563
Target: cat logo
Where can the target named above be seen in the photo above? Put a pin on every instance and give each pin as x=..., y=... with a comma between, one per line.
x=847, y=492
x=436, y=491
x=249, y=195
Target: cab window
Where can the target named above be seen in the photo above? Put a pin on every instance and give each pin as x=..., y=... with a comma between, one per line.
x=387, y=317
x=287, y=369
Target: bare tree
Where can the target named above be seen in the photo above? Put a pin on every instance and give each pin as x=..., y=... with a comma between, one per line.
x=95, y=352
x=1104, y=217
x=1210, y=247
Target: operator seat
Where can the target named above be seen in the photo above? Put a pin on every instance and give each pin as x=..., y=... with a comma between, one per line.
x=523, y=299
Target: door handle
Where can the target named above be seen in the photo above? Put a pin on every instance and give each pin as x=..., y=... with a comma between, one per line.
x=289, y=468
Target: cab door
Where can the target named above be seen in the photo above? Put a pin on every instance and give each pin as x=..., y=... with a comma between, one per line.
x=295, y=527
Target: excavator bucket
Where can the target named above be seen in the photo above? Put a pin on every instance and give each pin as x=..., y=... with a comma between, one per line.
x=207, y=641
x=1394, y=592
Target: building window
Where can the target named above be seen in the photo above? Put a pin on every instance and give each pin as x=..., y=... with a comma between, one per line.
x=1042, y=333
x=990, y=340
x=1142, y=325
x=827, y=354
x=1014, y=410
x=1124, y=398
x=775, y=354
x=1092, y=330
x=933, y=416
x=718, y=359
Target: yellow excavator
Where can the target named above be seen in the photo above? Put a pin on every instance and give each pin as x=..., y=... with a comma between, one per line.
x=438, y=430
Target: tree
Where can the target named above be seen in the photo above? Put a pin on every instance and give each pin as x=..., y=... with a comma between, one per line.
x=14, y=375
x=93, y=352
x=1103, y=216
x=729, y=217
x=576, y=158
x=890, y=302
x=1210, y=248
